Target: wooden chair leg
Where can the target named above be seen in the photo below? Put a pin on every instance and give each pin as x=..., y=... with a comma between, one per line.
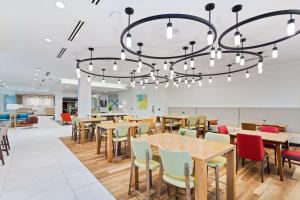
x=217, y=174
x=5, y=145
x=283, y=161
x=136, y=177
x=243, y=162
x=290, y=163
x=116, y=148
x=268, y=164
x=147, y=175
x=1, y=156
x=262, y=170
x=150, y=173
x=237, y=163
x=159, y=180
x=187, y=181
x=131, y=173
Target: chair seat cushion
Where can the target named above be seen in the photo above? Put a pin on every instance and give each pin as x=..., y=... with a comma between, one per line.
x=172, y=124
x=178, y=181
x=294, y=155
x=192, y=127
x=217, y=161
x=120, y=139
x=142, y=164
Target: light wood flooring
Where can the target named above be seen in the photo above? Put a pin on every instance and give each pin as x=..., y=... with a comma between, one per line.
x=115, y=176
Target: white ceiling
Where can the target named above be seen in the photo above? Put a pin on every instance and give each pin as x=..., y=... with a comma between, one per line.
x=25, y=25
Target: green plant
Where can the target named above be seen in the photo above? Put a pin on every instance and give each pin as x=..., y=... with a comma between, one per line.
x=110, y=107
x=182, y=132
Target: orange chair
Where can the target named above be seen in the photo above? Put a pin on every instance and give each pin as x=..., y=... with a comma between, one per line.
x=66, y=118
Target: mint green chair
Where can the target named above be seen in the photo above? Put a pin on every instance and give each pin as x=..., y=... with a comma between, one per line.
x=141, y=157
x=143, y=128
x=120, y=135
x=218, y=161
x=187, y=132
x=172, y=124
x=176, y=169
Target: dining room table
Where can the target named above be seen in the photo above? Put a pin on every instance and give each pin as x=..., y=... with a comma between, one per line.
x=201, y=152
x=109, y=127
x=278, y=139
x=91, y=120
x=182, y=118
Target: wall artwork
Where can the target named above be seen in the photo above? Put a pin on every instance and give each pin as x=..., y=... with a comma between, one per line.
x=142, y=101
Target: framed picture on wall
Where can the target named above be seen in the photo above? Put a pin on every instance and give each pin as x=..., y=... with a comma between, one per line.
x=142, y=101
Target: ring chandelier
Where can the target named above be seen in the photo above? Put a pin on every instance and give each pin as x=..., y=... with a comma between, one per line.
x=238, y=48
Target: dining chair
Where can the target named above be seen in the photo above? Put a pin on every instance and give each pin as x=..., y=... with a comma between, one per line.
x=187, y=132
x=218, y=161
x=249, y=126
x=290, y=155
x=223, y=129
x=176, y=169
x=74, y=126
x=103, y=134
x=142, y=158
x=192, y=122
x=251, y=147
x=143, y=128
x=202, y=123
x=120, y=135
x=66, y=118
x=2, y=145
x=270, y=145
x=172, y=124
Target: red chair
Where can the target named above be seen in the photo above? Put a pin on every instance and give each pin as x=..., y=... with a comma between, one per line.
x=223, y=129
x=290, y=155
x=270, y=145
x=251, y=147
x=66, y=118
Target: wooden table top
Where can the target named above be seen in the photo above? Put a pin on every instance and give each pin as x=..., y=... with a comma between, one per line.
x=268, y=124
x=282, y=137
x=113, y=125
x=175, y=116
x=87, y=120
x=198, y=148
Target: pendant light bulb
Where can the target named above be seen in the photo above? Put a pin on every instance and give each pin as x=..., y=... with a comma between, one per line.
x=185, y=81
x=169, y=31
x=165, y=66
x=153, y=78
x=156, y=87
x=179, y=79
x=140, y=63
x=275, y=52
x=123, y=55
x=88, y=78
x=128, y=40
x=219, y=53
x=212, y=52
x=115, y=66
x=229, y=78
x=209, y=38
x=192, y=63
x=143, y=86
x=185, y=67
x=78, y=75
x=242, y=60
x=200, y=83
x=138, y=70
x=212, y=62
x=91, y=66
x=156, y=81
x=260, y=67
x=167, y=85
x=237, y=58
x=103, y=81
x=210, y=80
x=77, y=70
x=119, y=82
x=247, y=74
x=151, y=73
x=237, y=38
x=193, y=80
x=290, y=29
x=146, y=80
x=189, y=85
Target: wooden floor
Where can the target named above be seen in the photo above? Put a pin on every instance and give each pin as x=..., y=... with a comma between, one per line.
x=115, y=176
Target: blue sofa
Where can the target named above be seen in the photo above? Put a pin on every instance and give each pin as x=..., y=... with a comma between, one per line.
x=22, y=116
x=4, y=117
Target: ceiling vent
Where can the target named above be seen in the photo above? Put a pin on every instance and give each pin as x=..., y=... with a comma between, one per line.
x=61, y=53
x=76, y=30
x=95, y=2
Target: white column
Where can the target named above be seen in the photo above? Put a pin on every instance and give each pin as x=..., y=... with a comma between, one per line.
x=84, y=96
x=58, y=104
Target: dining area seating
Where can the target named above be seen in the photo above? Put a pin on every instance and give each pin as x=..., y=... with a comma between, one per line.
x=4, y=141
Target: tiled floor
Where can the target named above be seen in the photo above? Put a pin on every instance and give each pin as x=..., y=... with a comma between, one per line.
x=40, y=167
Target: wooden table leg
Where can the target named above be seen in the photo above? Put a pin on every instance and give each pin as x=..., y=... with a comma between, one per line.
x=136, y=177
x=131, y=134
x=98, y=140
x=231, y=174
x=82, y=133
x=109, y=145
x=279, y=163
x=200, y=180
x=163, y=127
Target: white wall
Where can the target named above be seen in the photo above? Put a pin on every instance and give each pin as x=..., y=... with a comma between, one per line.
x=1, y=103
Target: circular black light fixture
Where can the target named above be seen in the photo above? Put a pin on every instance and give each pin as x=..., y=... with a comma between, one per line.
x=258, y=56
x=291, y=32
x=168, y=17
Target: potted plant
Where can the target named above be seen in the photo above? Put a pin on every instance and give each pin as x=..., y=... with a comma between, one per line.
x=110, y=107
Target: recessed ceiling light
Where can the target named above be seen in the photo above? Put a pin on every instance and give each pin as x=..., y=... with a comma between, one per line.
x=59, y=4
x=36, y=74
x=38, y=69
x=48, y=40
